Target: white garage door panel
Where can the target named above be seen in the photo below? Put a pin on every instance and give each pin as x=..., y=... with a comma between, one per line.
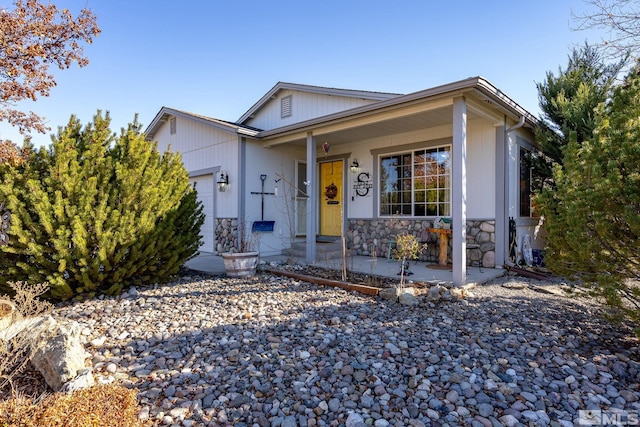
x=204, y=186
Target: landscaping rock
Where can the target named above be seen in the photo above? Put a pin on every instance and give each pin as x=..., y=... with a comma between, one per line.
x=408, y=299
x=57, y=350
x=273, y=351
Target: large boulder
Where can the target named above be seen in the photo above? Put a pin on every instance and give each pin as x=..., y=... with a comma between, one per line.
x=57, y=351
x=393, y=294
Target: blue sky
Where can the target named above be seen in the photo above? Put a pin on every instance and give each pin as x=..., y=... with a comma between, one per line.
x=218, y=58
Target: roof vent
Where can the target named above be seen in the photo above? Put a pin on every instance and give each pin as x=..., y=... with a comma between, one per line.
x=285, y=107
x=172, y=125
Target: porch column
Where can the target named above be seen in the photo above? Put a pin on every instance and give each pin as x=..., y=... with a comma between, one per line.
x=312, y=201
x=459, y=192
x=501, y=197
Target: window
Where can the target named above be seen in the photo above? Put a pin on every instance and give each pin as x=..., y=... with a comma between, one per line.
x=529, y=179
x=285, y=107
x=416, y=183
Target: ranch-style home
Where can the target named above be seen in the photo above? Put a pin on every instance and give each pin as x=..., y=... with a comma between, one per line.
x=307, y=163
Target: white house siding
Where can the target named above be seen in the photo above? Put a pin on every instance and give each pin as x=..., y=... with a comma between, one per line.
x=204, y=147
x=304, y=106
x=481, y=170
x=203, y=150
x=276, y=163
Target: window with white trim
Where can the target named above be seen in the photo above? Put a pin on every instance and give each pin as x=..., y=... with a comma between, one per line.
x=416, y=183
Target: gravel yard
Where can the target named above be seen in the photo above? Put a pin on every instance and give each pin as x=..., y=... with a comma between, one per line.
x=274, y=351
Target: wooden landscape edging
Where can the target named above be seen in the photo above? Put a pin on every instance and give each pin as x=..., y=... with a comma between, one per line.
x=526, y=273
x=367, y=290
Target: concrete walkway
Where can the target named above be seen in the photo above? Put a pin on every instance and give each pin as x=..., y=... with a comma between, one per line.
x=212, y=264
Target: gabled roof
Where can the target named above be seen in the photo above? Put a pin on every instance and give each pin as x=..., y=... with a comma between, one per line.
x=487, y=91
x=166, y=112
x=362, y=94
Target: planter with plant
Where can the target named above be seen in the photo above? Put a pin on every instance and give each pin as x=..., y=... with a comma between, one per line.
x=244, y=261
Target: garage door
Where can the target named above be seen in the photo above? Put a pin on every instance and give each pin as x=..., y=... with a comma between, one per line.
x=205, y=186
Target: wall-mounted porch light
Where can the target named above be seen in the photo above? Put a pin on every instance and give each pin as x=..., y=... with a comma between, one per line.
x=222, y=181
x=355, y=166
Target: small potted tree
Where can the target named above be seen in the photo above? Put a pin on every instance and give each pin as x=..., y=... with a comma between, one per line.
x=407, y=248
x=243, y=261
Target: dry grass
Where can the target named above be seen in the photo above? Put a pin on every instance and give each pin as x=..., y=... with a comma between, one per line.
x=16, y=352
x=105, y=405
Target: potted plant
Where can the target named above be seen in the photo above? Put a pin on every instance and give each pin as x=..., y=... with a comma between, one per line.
x=243, y=261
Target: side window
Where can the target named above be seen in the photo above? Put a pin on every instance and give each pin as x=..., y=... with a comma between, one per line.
x=528, y=179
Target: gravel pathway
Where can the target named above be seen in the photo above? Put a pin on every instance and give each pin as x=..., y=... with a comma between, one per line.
x=273, y=351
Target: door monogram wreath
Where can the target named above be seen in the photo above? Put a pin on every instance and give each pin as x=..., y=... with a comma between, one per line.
x=331, y=191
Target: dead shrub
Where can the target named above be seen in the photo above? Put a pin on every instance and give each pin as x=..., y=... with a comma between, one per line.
x=15, y=352
x=108, y=405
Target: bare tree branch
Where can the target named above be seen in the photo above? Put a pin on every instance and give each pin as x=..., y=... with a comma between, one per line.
x=621, y=20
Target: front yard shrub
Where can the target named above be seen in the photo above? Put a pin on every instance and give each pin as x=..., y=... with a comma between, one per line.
x=593, y=216
x=97, y=212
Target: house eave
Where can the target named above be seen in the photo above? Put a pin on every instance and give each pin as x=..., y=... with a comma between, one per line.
x=166, y=112
x=478, y=85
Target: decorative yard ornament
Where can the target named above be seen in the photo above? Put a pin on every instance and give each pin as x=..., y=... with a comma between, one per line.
x=326, y=147
x=5, y=222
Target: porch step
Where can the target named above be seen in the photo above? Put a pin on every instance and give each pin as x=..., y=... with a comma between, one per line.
x=324, y=250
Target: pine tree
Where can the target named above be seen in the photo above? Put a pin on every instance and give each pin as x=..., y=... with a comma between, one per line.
x=568, y=102
x=593, y=217
x=98, y=212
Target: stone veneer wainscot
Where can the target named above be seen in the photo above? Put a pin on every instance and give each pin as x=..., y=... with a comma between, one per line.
x=368, y=236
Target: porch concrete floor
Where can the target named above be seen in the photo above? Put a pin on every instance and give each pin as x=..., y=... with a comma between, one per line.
x=212, y=264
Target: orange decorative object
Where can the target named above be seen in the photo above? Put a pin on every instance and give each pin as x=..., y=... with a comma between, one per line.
x=443, y=238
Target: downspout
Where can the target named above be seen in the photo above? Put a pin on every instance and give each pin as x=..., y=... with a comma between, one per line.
x=517, y=125
x=506, y=181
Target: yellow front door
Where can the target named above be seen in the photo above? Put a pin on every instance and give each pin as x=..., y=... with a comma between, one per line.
x=331, y=198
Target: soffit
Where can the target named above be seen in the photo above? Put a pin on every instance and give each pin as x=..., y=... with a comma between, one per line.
x=383, y=127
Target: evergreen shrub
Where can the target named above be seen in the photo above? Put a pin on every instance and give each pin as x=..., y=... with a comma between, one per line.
x=97, y=212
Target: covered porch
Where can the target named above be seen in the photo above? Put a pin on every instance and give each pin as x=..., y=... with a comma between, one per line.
x=416, y=120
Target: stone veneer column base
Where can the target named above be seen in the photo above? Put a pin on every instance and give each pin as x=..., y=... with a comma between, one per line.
x=226, y=235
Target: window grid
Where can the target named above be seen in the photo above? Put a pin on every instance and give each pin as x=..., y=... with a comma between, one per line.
x=416, y=183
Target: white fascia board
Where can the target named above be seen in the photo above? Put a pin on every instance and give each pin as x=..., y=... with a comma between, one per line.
x=207, y=121
x=505, y=102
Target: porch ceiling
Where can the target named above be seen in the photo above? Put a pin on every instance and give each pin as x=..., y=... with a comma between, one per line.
x=384, y=127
